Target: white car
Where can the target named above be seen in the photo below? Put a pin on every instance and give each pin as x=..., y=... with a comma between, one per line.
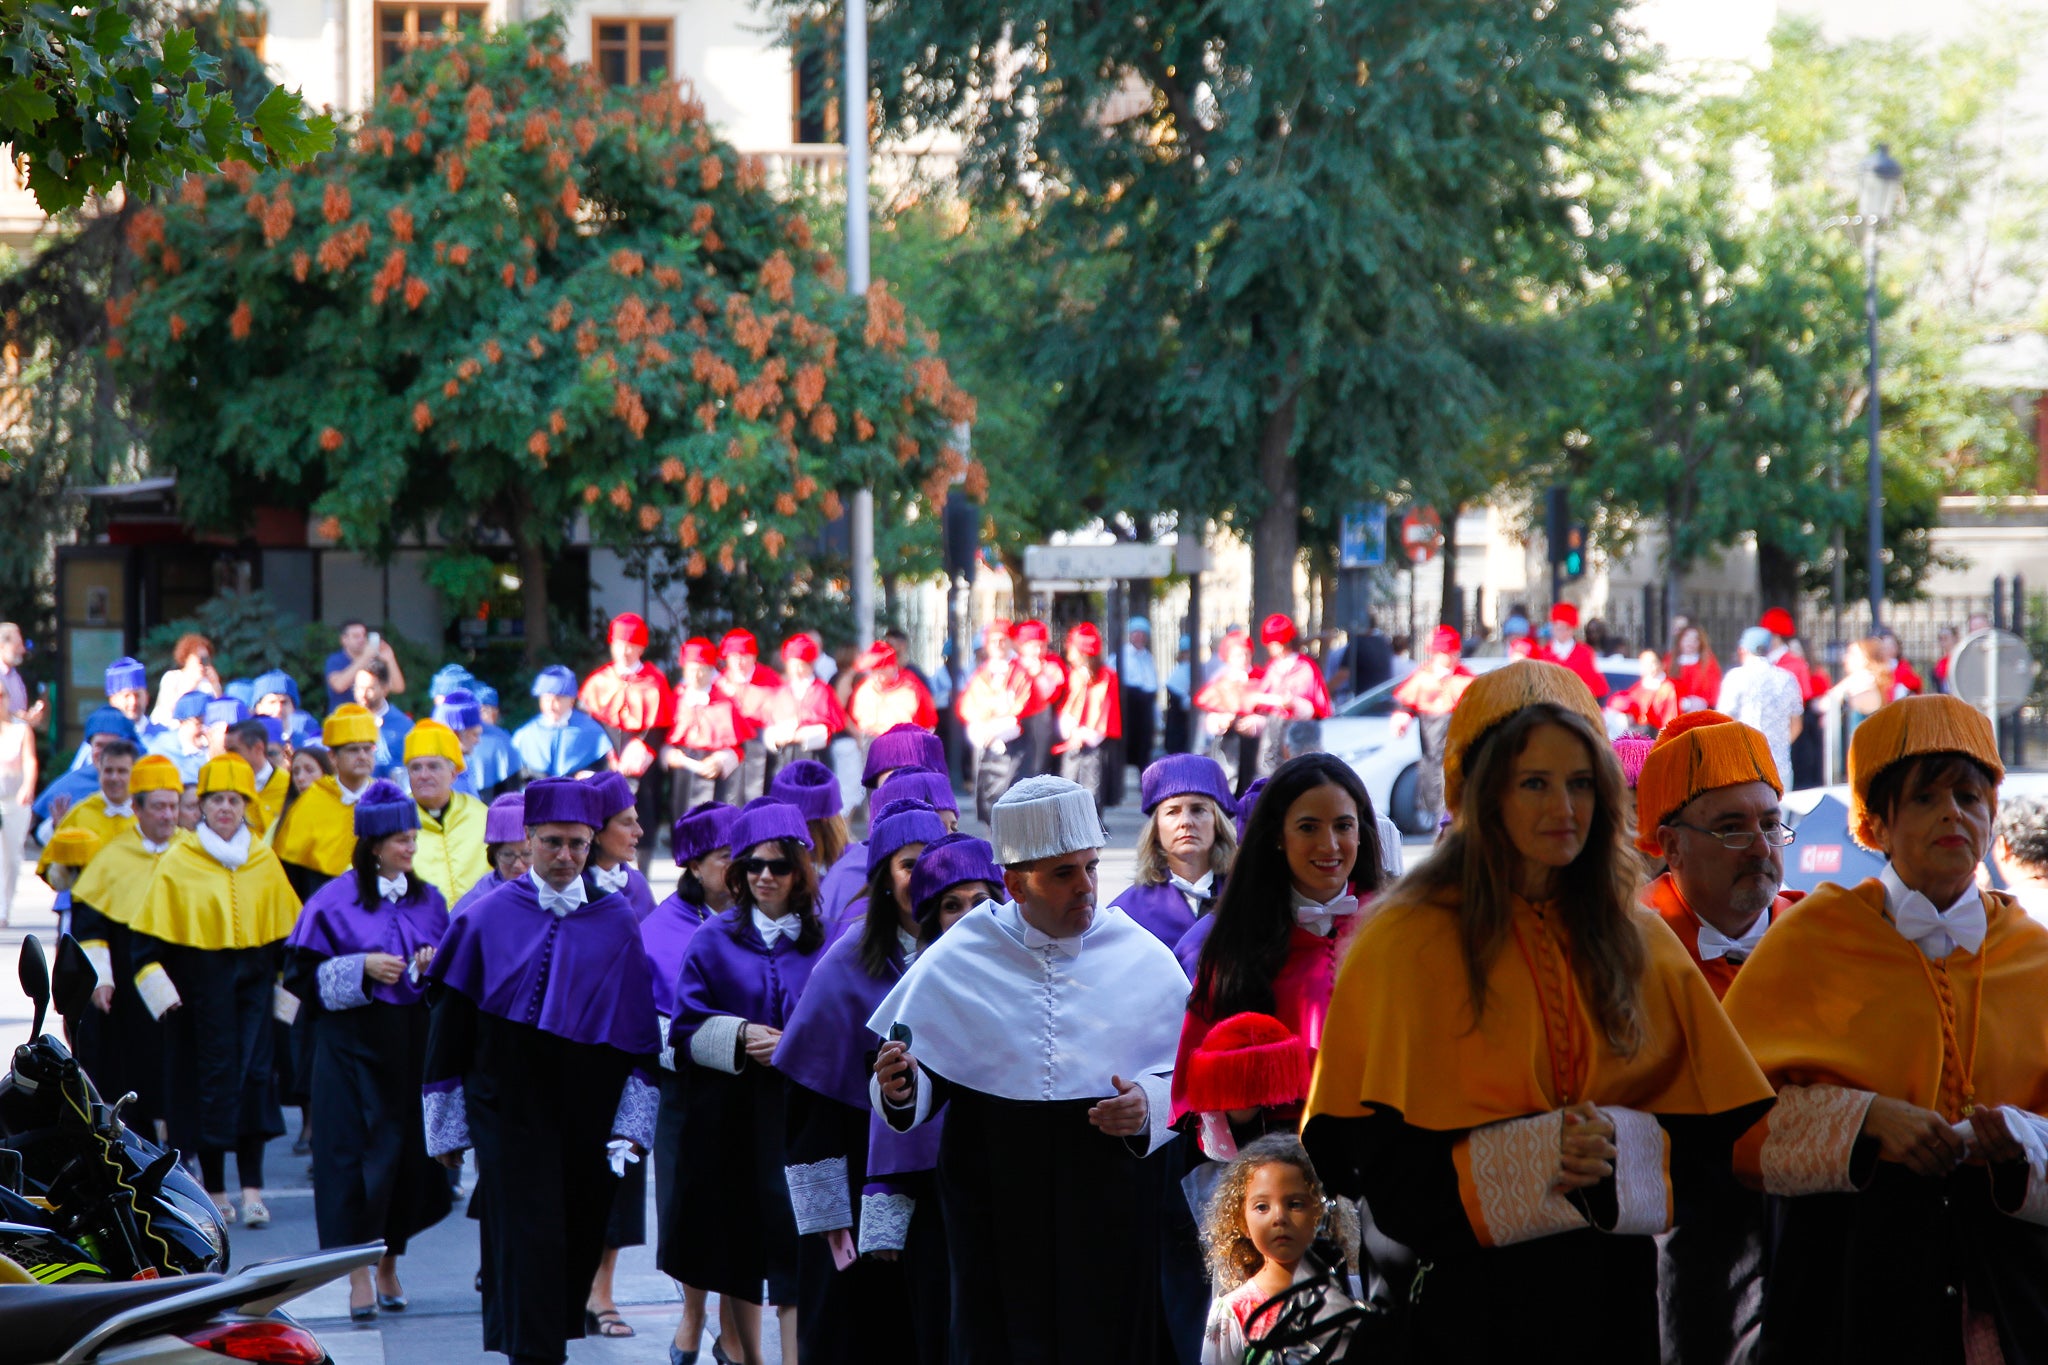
x=1361, y=733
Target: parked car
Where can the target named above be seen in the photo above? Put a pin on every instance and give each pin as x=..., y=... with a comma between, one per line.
x=1361, y=733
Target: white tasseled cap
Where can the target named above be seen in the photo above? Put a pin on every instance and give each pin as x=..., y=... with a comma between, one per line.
x=1043, y=817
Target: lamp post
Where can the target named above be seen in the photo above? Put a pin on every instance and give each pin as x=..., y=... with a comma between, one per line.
x=855, y=135
x=1881, y=181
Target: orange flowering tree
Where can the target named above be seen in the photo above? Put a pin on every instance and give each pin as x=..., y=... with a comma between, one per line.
x=518, y=297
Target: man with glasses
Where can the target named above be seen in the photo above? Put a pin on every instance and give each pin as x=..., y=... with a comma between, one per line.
x=1707, y=801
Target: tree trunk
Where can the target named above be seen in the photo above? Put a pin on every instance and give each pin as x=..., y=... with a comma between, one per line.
x=1777, y=579
x=1276, y=535
x=1020, y=587
x=1451, y=612
x=533, y=585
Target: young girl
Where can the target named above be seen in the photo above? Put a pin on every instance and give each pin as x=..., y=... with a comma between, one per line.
x=1260, y=1225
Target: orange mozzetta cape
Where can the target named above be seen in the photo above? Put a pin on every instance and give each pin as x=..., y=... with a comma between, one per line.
x=1400, y=1033
x=1836, y=996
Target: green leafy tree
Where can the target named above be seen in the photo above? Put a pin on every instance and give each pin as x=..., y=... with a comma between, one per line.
x=1281, y=221
x=105, y=94
x=516, y=298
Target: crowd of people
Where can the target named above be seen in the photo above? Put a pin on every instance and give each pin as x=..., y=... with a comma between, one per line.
x=932, y=1096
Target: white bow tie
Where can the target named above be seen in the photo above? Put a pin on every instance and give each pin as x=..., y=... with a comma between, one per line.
x=1202, y=890
x=561, y=903
x=1940, y=933
x=609, y=879
x=1322, y=919
x=1715, y=944
x=770, y=930
x=391, y=888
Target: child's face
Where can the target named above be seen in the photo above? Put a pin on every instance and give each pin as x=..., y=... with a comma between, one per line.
x=1281, y=1212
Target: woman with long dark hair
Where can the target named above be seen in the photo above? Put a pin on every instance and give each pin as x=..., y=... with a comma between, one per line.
x=356, y=960
x=1520, y=1064
x=731, y=1229
x=850, y=1307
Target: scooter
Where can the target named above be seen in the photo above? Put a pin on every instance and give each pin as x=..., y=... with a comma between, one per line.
x=200, y=1319
x=83, y=1196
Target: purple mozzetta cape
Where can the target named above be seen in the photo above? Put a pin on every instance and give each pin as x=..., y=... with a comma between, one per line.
x=637, y=892
x=826, y=1043
x=1189, y=949
x=335, y=923
x=582, y=976
x=739, y=976
x=840, y=888
x=491, y=882
x=891, y=1153
x=1160, y=909
x=666, y=935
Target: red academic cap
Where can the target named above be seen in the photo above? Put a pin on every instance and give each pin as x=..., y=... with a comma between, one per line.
x=1087, y=639
x=1276, y=629
x=878, y=655
x=1028, y=631
x=739, y=642
x=801, y=648
x=1778, y=622
x=629, y=628
x=1245, y=1062
x=999, y=626
x=1565, y=614
x=1446, y=641
x=698, y=650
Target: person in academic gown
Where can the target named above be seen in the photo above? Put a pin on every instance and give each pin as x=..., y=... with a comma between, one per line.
x=122, y=1048
x=732, y=1229
x=610, y=872
x=206, y=948
x=561, y=741
x=1047, y=679
x=1047, y=1029
x=102, y=727
x=539, y=1048
x=807, y=713
x=1090, y=719
x=1291, y=688
x=505, y=846
x=849, y=1307
x=127, y=684
x=1228, y=727
x=893, y=773
x=315, y=838
x=1185, y=848
x=707, y=746
x=888, y=696
x=1567, y=649
x=110, y=809
x=355, y=961
x=1707, y=803
x=632, y=700
x=814, y=790
x=1521, y=1071
x=1695, y=672
x=1426, y=698
x=991, y=709
x=752, y=688
x=1904, y=1022
x=493, y=763
x=699, y=840
x=451, y=831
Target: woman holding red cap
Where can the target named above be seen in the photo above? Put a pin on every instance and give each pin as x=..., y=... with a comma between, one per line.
x=1292, y=688
x=631, y=699
x=752, y=687
x=1090, y=717
x=1429, y=695
x=807, y=711
x=706, y=748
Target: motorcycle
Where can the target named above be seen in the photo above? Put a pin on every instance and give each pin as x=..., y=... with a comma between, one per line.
x=200, y=1319
x=83, y=1197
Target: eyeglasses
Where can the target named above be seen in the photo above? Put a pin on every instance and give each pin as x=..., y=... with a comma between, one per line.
x=772, y=867
x=1736, y=840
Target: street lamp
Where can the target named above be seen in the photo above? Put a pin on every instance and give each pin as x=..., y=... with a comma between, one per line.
x=1881, y=181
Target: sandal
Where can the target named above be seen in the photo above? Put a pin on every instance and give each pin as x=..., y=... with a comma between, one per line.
x=222, y=1207
x=255, y=1215
x=609, y=1323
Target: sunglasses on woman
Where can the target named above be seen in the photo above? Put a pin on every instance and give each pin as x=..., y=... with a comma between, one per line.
x=773, y=867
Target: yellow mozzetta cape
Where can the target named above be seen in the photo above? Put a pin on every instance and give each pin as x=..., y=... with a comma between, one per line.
x=116, y=881
x=320, y=831
x=194, y=902
x=451, y=854
x=269, y=802
x=1835, y=995
x=1400, y=1035
x=89, y=814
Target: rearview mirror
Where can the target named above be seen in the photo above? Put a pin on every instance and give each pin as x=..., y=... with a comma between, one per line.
x=72, y=984
x=35, y=981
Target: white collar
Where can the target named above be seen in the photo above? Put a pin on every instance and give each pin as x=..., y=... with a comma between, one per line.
x=558, y=903
x=1200, y=889
x=124, y=811
x=229, y=853
x=263, y=778
x=1937, y=933
x=1011, y=917
x=1563, y=649
x=1776, y=654
x=907, y=941
x=1320, y=917
x=349, y=798
x=695, y=697
x=383, y=709
x=148, y=847
x=609, y=878
x=1715, y=944
x=770, y=929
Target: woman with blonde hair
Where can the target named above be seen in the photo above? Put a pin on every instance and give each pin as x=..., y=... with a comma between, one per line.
x=1521, y=1067
x=1186, y=847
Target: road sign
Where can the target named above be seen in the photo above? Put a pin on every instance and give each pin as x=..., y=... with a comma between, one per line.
x=1093, y=563
x=1362, y=538
x=1422, y=534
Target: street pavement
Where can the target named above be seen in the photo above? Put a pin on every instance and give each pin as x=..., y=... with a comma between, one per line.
x=443, y=1324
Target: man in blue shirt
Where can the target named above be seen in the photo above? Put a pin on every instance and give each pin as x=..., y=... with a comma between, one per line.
x=373, y=693
x=101, y=726
x=561, y=741
x=360, y=645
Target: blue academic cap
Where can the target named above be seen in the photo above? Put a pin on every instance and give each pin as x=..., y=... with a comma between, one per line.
x=193, y=704
x=108, y=721
x=126, y=675
x=486, y=695
x=242, y=690
x=449, y=678
x=274, y=683
x=226, y=711
x=554, y=681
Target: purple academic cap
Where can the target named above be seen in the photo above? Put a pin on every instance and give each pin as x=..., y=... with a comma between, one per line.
x=383, y=809
x=1185, y=775
x=505, y=821
x=810, y=787
x=950, y=860
x=614, y=794
x=459, y=709
x=916, y=784
x=273, y=727
x=902, y=746
x=899, y=823
x=1245, y=804
x=700, y=829
x=764, y=818
x=564, y=801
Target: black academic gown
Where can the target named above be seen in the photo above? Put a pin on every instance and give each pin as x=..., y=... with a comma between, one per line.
x=219, y=1083
x=855, y=1316
x=123, y=1049
x=372, y=1177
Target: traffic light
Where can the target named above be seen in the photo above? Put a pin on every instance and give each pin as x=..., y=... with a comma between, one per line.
x=1573, y=561
x=1557, y=517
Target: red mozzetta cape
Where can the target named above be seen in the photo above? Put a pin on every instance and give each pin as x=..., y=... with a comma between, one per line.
x=633, y=702
x=876, y=708
x=712, y=724
x=1425, y=692
x=997, y=691
x=1581, y=662
x=1225, y=692
x=1298, y=677
x=753, y=699
x=1048, y=686
x=817, y=704
x=1097, y=704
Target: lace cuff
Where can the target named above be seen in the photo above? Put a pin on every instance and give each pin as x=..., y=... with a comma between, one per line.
x=1158, y=1114
x=818, y=1195
x=884, y=1222
x=668, y=1047
x=1507, y=1180
x=159, y=993
x=341, y=982
x=447, y=1120
x=1805, y=1143
x=102, y=960
x=1642, y=1179
x=716, y=1043
x=638, y=1105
